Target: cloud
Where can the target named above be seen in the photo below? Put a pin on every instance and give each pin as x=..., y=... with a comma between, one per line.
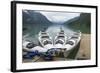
x=59, y=17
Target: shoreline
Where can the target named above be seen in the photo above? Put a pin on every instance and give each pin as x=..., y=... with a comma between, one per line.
x=85, y=47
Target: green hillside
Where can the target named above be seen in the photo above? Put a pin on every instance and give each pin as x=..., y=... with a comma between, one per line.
x=82, y=23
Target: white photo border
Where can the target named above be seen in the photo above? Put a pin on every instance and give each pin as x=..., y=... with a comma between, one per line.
x=19, y=6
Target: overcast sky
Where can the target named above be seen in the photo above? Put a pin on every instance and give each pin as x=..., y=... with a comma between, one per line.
x=59, y=17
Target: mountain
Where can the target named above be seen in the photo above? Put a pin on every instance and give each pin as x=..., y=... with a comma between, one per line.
x=82, y=23
x=32, y=17
x=72, y=20
x=33, y=22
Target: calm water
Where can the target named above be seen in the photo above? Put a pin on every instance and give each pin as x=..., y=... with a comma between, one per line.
x=32, y=33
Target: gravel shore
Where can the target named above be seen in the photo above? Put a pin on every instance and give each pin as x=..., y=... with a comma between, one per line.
x=85, y=47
